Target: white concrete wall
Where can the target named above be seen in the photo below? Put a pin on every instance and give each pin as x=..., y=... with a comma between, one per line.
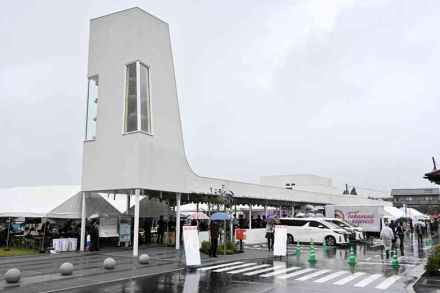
x=115, y=160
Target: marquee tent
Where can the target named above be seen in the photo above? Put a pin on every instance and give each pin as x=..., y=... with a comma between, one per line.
x=57, y=201
x=151, y=208
x=414, y=214
x=393, y=213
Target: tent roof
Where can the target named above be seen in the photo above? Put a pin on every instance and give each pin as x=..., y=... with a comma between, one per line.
x=151, y=208
x=55, y=201
x=394, y=212
x=34, y=201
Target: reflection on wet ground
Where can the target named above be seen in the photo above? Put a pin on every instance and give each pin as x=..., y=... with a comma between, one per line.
x=331, y=272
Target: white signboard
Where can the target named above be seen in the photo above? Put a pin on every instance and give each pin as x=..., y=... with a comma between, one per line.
x=280, y=243
x=108, y=227
x=191, y=243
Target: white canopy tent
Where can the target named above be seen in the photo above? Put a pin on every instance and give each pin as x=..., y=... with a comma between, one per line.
x=393, y=213
x=414, y=214
x=56, y=201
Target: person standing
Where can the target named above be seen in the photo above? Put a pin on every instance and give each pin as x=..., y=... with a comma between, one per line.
x=160, y=230
x=269, y=235
x=387, y=235
x=393, y=228
x=214, y=232
x=401, y=234
x=419, y=232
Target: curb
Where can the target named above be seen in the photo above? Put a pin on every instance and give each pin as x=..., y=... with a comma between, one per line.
x=420, y=271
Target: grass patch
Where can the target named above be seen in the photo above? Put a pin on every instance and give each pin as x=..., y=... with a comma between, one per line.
x=16, y=251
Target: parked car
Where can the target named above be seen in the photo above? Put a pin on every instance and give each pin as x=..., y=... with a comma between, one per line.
x=356, y=233
x=316, y=230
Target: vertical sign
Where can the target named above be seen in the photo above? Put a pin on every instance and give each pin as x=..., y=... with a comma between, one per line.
x=191, y=243
x=280, y=243
x=124, y=228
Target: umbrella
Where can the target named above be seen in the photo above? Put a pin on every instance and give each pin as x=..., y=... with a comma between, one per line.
x=219, y=216
x=198, y=216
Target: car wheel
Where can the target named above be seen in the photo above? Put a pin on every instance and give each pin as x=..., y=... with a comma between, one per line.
x=290, y=239
x=331, y=241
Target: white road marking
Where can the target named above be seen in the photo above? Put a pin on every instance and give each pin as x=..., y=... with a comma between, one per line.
x=368, y=280
x=368, y=258
x=331, y=276
x=377, y=255
x=248, y=269
x=315, y=274
x=234, y=267
x=381, y=263
x=295, y=274
x=220, y=266
x=349, y=278
x=388, y=282
x=279, y=272
x=263, y=271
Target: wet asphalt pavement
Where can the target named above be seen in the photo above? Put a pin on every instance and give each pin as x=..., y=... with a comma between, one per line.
x=331, y=272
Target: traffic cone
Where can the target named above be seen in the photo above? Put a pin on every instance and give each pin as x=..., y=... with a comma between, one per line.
x=297, y=249
x=394, y=259
x=351, y=257
x=324, y=245
x=312, y=258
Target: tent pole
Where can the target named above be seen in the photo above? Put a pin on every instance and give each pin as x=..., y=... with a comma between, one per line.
x=7, y=239
x=83, y=222
x=44, y=235
x=178, y=196
x=128, y=204
x=250, y=216
x=136, y=223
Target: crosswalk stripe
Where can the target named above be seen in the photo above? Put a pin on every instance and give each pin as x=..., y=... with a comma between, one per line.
x=295, y=274
x=315, y=274
x=349, y=278
x=248, y=269
x=220, y=266
x=331, y=276
x=263, y=270
x=388, y=282
x=234, y=267
x=279, y=272
x=368, y=280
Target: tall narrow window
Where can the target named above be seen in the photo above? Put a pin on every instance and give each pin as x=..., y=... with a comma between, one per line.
x=131, y=99
x=137, y=100
x=92, y=107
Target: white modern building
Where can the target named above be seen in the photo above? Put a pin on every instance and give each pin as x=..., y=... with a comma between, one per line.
x=303, y=182
x=134, y=143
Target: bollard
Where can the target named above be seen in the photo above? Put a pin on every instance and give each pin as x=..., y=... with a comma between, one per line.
x=429, y=240
x=109, y=263
x=352, y=257
x=298, y=249
x=13, y=275
x=144, y=259
x=66, y=269
x=394, y=260
x=312, y=258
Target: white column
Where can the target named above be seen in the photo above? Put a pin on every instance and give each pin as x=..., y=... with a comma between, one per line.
x=137, y=193
x=281, y=211
x=293, y=211
x=83, y=222
x=197, y=207
x=178, y=196
x=265, y=210
x=250, y=216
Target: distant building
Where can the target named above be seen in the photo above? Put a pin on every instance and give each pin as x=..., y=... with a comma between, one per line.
x=304, y=182
x=425, y=200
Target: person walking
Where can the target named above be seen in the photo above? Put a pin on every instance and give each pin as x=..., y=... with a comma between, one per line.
x=269, y=234
x=419, y=232
x=387, y=235
x=393, y=228
x=400, y=232
x=214, y=231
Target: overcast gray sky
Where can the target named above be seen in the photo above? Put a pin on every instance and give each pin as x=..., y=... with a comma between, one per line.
x=343, y=89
